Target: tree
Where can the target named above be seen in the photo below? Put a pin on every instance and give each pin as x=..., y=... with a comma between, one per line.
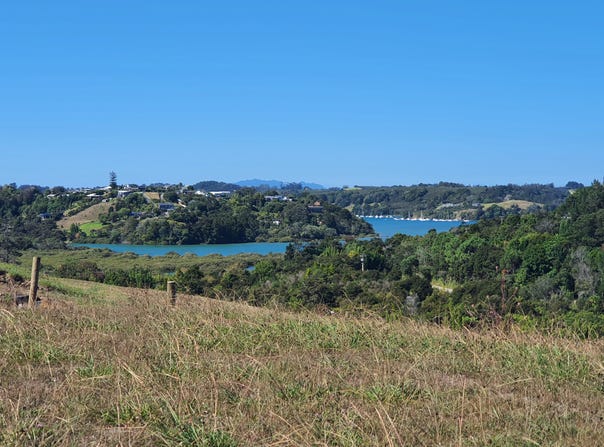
x=170, y=196
x=113, y=180
x=9, y=242
x=574, y=185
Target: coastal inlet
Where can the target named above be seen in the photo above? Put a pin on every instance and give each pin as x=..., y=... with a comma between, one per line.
x=386, y=227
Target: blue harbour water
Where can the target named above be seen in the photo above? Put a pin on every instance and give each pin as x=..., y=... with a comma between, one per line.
x=385, y=227
x=261, y=248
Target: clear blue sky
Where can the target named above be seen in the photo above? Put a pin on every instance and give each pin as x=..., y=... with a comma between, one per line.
x=335, y=92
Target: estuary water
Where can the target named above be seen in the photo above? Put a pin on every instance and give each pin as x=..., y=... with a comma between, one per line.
x=386, y=227
x=261, y=248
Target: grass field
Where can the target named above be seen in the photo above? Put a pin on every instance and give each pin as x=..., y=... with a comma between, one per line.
x=522, y=204
x=90, y=214
x=168, y=263
x=100, y=365
x=153, y=196
x=87, y=227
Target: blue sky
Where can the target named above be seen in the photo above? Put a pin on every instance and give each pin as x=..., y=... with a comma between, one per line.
x=333, y=92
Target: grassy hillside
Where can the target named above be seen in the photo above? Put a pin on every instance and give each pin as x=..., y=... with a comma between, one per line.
x=101, y=365
x=90, y=214
x=507, y=204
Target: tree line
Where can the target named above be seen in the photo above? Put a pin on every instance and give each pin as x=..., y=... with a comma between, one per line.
x=245, y=216
x=27, y=219
x=447, y=200
x=537, y=270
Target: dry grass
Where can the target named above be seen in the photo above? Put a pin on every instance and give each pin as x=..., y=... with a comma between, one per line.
x=90, y=214
x=153, y=196
x=522, y=204
x=83, y=371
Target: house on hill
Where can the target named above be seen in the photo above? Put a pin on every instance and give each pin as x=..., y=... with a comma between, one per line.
x=277, y=198
x=315, y=208
x=221, y=193
x=123, y=193
x=166, y=207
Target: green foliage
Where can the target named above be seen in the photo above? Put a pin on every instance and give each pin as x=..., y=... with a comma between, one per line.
x=444, y=200
x=134, y=277
x=531, y=268
x=27, y=220
x=87, y=228
x=192, y=280
x=86, y=270
x=536, y=269
x=245, y=216
x=89, y=271
x=113, y=180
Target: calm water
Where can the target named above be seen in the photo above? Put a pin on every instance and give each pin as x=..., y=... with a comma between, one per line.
x=261, y=248
x=388, y=227
x=385, y=227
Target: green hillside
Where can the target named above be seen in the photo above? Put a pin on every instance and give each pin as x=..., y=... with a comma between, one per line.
x=447, y=200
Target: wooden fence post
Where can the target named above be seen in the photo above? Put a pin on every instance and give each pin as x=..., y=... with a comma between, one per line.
x=33, y=287
x=172, y=292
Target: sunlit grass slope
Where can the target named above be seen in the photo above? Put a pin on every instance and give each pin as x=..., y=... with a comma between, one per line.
x=103, y=365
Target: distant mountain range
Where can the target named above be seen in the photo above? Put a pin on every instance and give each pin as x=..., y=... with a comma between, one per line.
x=277, y=184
